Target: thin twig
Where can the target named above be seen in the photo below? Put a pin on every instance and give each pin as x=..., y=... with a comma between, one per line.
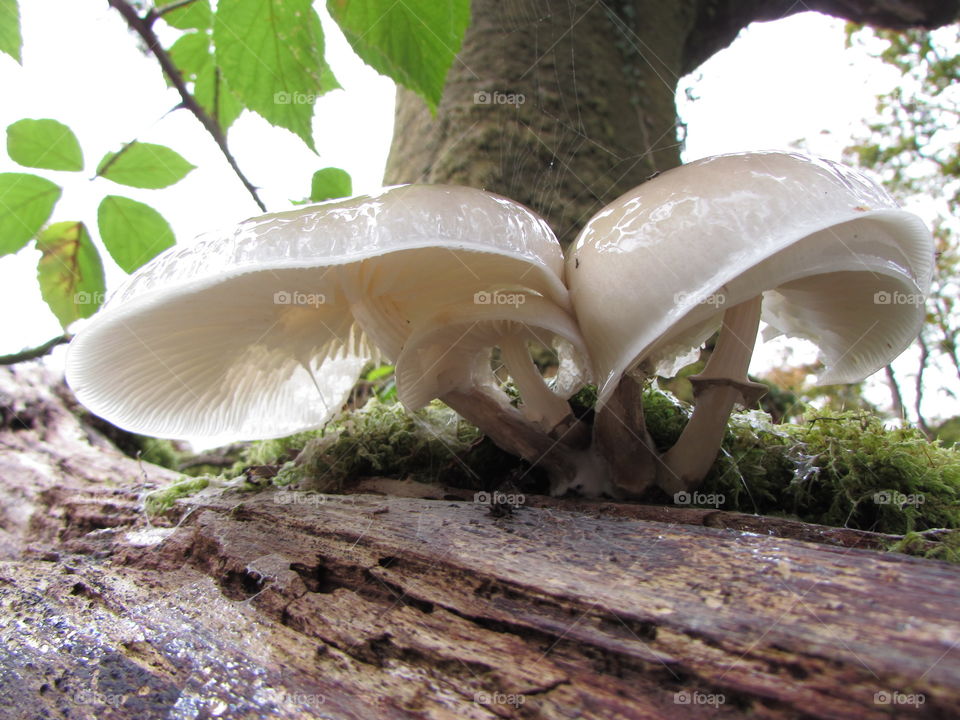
x=918, y=393
x=161, y=11
x=895, y=395
x=142, y=26
x=35, y=352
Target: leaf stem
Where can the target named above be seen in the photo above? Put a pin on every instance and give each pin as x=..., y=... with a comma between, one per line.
x=143, y=27
x=35, y=352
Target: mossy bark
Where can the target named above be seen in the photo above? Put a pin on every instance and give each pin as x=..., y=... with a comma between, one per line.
x=597, y=80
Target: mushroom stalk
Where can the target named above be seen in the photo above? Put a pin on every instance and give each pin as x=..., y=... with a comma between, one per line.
x=539, y=404
x=722, y=383
x=620, y=436
x=489, y=409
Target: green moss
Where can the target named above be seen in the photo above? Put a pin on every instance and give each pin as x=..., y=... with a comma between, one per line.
x=161, y=500
x=942, y=546
x=432, y=444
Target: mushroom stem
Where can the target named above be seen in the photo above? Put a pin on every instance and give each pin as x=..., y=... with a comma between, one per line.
x=488, y=409
x=620, y=436
x=722, y=383
x=539, y=404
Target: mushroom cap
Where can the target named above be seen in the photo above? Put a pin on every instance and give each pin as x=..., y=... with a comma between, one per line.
x=835, y=258
x=249, y=333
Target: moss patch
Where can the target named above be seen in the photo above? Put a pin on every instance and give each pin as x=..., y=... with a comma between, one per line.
x=431, y=445
x=841, y=469
x=159, y=501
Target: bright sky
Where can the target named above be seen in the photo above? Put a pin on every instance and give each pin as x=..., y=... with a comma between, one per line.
x=780, y=83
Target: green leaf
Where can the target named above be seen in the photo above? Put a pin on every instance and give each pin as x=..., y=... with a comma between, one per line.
x=11, y=42
x=26, y=202
x=44, y=144
x=330, y=183
x=195, y=16
x=214, y=96
x=144, y=165
x=70, y=271
x=271, y=54
x=132, y=232
x=191, y=53
x=411, y=41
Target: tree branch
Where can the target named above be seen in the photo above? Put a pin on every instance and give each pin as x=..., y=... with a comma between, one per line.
x=717, y=23
x=35, y=352
x=142, y=26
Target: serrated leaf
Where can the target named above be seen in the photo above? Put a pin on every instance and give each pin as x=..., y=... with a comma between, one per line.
x=44, y=144
x=271, y=55
x=26, y=202
x=195, y=16
x=132, y=232
x=70, y=271
x=11, y=42
x=413, y=41
x=144, y=165
x=214, y=96
x=330, y=183
x=191, y=53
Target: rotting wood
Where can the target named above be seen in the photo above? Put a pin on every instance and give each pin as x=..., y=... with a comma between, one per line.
x=362, y=606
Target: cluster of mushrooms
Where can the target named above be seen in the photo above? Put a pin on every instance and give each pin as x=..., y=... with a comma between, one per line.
x=264, y=331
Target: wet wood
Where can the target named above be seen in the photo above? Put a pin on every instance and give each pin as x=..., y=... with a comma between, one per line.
x=399, y=606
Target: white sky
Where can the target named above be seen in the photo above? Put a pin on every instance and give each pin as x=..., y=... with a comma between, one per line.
x=779, y=83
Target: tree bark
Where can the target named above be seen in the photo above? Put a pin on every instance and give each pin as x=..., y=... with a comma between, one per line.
x=294, y=605
x=597, y=82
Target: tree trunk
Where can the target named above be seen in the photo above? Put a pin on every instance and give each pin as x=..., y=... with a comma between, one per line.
x=563, y=105
x=294, y=605
x=559, y=105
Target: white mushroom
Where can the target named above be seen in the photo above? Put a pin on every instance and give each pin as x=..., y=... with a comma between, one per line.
x=821, y=251
x=244, y=334
x=461, y=272
x=263, y=331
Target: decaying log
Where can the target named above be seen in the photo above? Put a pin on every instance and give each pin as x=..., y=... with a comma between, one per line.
x=296, y=605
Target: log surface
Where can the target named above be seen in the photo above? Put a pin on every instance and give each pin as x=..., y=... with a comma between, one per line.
x=389, y=606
